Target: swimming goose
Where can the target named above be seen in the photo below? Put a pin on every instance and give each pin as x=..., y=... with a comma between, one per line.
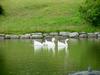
x=49, y=44
x=62, y=45
x=37, y=45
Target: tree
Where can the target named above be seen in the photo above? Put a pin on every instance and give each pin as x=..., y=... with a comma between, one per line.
x=1, y=10
x=90, y=11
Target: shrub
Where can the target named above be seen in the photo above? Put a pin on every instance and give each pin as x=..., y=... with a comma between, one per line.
x=1, y=10
x=90, y=11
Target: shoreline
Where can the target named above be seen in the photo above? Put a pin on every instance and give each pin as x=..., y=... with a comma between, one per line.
x=39, y=35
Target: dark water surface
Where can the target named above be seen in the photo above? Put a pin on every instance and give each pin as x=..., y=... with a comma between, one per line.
x=18, y=57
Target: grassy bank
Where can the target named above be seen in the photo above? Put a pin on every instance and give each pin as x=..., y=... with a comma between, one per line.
x=24, y=16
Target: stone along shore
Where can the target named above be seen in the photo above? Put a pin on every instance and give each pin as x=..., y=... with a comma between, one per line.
x=51, y=34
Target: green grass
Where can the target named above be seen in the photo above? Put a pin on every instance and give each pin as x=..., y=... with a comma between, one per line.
x=24, y=16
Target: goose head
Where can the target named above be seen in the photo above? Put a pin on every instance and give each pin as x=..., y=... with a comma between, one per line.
x=53, y=39
x=66, y=40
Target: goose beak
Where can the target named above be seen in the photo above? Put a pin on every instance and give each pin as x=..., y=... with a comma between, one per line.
x=53, y=39
x=67, y=39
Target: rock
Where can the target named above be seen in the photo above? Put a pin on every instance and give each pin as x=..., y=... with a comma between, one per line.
x=48, y=37
x=2, y=36
x=45, y=34
x=7, y=36
x=14, y=37
x=34, y=36
x=98, y=35
x=83, y=35
x=92, y=35
x=26, y=36
x=53, y=34
x=11, y=37
x=60, y=37
x=74, y=35
x=64, y=34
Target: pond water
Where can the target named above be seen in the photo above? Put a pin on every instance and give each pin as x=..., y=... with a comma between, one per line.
x=18, y=57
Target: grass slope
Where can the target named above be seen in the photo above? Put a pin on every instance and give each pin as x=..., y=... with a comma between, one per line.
x=23, y=16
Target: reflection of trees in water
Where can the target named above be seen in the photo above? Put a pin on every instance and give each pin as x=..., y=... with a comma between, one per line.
x=93, y=53
x=49, y=62
x=95, y=50
x=2, y=62
x=84, y=53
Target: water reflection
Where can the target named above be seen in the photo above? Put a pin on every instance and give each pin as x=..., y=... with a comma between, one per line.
x=37, y=45
x=17, y=57
x=2, y=62
x=51, y=46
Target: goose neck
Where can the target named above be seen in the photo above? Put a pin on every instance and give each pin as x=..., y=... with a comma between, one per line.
x=65, y=42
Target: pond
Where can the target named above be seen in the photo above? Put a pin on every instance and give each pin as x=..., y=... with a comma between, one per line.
x=18, y=57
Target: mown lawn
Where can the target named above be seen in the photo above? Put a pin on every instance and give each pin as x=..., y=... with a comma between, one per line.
x=24, y=16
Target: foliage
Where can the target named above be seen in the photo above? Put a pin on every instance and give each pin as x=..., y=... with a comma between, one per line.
x=90, y=11
x=27, y=16
x=1, y=10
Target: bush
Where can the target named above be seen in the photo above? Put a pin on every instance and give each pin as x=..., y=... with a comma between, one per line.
x=90, y=11
x=1, y=10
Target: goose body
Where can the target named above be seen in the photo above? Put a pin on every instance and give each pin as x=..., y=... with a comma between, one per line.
x=50, y=45
x=62, y=45
x=37, y=45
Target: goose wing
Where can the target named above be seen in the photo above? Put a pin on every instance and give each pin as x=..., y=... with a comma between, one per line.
x=60, y=44
x=36, y=43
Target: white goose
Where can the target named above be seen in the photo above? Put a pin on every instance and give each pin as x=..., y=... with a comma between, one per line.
x=62, y=45
x=37, y=45
x=50, y=45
